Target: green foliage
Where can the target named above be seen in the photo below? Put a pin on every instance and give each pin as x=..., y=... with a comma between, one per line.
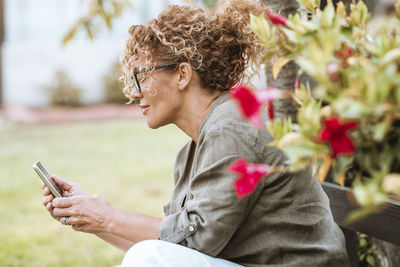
x=99, y=10
x=279, y=129
x=357, y=71
x=366, y=253
x=112, y=86
x=311, y=5
x=63, y=93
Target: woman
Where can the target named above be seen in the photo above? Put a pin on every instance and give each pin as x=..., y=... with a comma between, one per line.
x=179, y=68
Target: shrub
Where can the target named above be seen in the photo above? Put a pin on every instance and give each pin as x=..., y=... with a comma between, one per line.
x=63, y=93
x=112, y=86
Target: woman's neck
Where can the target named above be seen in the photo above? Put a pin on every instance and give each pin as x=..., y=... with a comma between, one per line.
x=195, y=109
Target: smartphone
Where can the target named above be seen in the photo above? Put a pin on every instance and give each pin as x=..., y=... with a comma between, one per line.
x=45, y=177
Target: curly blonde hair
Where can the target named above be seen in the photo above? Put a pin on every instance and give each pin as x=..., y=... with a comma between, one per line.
x=216, y=43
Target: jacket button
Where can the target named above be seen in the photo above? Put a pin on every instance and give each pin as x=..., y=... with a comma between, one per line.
x=191, y=228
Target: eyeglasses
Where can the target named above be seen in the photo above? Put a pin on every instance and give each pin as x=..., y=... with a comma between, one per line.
x=136, y=72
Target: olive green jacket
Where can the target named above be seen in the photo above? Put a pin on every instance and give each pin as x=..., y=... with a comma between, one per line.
x=285, y=222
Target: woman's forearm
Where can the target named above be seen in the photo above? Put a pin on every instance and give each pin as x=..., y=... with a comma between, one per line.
x=132, y=227
x=116, y=241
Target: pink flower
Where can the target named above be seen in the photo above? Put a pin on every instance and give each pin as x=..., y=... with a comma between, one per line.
x=335, y=133
x=297, y=82
x=250, y=103
x=250, y=175
x=276, y=19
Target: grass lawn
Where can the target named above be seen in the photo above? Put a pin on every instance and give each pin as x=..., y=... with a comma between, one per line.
x=125, y=161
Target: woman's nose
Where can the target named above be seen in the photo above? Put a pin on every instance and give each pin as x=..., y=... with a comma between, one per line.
x=136, y=95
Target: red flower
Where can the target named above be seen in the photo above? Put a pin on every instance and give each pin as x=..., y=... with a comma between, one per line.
x=297, y=82
x=271, y=111
x=276, y=19
x=336, y=134
x=251, y=103
x=344, y=52
x=251, y=174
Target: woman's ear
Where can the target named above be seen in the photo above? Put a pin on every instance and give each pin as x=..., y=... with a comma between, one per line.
x=185, y=73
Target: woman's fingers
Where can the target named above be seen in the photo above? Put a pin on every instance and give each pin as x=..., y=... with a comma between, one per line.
x=64, y=202
x=74, y=221
x=46, y=191
x=62, y=212
x=47, y=199
x=62, y=183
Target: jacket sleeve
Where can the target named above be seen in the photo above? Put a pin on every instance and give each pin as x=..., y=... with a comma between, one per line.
x=212, y=212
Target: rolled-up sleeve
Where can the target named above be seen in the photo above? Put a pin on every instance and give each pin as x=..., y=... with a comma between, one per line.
x=212, y=212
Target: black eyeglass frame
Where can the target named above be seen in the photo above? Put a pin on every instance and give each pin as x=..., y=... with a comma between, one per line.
x=136, y=72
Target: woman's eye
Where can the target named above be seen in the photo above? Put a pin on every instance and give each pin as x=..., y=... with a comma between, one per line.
x=142, y=79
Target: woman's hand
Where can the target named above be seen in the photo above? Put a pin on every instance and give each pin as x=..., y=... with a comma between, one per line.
x=68, y=188
x=90, y=214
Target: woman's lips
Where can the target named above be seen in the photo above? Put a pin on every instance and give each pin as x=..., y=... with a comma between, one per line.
x=144, y=109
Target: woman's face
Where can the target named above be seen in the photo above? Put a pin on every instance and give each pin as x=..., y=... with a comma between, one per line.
x=159, y=97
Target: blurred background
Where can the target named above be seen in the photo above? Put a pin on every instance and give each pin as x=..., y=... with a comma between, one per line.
x=34, y=58
x=61, y=104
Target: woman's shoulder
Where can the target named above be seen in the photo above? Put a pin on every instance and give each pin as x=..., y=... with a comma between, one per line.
x=226, y=117
x=225, y=114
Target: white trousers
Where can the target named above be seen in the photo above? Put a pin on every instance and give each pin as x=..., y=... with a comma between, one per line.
x=157, y=253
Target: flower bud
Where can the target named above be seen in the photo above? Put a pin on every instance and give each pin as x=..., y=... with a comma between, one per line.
x=344, y=52
x=391, y=183
x=326, y=111
x=297, y=82
x=333, y=70
x=276, y=19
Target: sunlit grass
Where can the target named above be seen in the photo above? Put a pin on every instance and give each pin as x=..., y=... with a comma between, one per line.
x=125, y=161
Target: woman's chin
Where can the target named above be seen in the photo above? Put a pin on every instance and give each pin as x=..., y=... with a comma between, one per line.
x=152, y=124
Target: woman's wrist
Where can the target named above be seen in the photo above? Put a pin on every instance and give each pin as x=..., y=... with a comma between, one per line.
x=105, y=214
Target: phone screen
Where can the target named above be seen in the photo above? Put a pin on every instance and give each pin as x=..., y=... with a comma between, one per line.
x=46, y=178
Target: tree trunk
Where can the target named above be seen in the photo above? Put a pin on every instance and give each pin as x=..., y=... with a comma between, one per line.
x=287, y=77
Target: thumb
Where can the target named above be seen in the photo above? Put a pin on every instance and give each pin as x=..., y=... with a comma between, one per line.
x=62, y=183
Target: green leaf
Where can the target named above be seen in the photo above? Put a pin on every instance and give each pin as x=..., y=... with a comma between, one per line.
x=311, y=5
x=379, y=130
x=391, y=56
x=264, y=31
x=341, y=163
x=278, y=129
x=359, y=15
x=369, y=194
x=309, y=118
x=89, y=30
x=350, y=108
x=304, y=148
x=371, y=260
x=328, y=15
x=359, y=214
x=71, y=33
